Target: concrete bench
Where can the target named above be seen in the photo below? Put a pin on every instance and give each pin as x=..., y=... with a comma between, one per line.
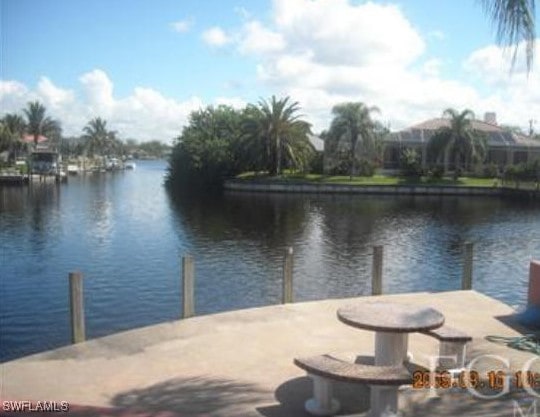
x=453, y=343
x=324, y=369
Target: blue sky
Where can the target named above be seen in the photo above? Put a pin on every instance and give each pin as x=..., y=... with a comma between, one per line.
x=144, y=65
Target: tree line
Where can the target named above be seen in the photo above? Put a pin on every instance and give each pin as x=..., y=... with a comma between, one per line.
x=271, y=136
x=267, y=137
x=35, y=125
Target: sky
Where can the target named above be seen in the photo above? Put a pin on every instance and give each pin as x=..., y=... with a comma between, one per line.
x=145, y=65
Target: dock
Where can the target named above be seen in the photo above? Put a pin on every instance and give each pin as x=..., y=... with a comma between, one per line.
x=7, y=177
x=240, y=363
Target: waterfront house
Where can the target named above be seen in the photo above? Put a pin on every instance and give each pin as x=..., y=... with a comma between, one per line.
x=45, y=162
x=43, y=159
x=505, y=147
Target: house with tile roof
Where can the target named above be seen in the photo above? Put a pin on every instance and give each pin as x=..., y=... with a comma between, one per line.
x=504, y=147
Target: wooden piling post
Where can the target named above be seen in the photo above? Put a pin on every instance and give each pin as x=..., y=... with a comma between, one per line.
x=377, y=270
x=188, y=285
x=466, y=281
x=76, y=307
x=288, y=276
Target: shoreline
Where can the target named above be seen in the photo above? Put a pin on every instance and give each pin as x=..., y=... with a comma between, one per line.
x=396, y=189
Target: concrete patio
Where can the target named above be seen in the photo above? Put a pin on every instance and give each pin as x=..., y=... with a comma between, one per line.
x=240, y=363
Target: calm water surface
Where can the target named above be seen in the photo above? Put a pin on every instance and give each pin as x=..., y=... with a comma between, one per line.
x=124, y=232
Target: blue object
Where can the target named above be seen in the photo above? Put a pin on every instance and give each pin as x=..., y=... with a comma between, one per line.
x=530, y=317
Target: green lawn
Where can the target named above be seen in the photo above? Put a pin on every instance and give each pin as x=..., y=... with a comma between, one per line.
x=375, y=180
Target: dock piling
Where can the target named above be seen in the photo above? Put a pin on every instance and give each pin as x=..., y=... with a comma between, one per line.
x=377, y=270
x=76, y=307
x=466, y=281
x=188, y=278
x=288, y=276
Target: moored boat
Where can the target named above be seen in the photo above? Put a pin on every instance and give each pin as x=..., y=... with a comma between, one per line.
x=72, y=169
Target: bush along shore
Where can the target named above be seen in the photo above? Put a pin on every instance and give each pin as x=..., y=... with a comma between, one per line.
x=270, y=142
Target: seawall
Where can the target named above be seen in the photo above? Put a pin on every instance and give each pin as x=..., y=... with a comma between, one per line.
x=288, y=187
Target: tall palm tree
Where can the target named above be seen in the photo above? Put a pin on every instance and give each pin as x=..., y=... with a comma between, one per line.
x=515, y=22
x=283, y=134
x=254, y=143
x=96, y=136
x=39, y=124
x=353, y=122
x=13, y=127
x=459, y=139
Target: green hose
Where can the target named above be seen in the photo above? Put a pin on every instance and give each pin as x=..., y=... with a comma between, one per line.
x=527, y=343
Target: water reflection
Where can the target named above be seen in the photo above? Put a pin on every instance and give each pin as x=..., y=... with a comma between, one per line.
x=37, y=206
x=333, y=237
x=268, y=220
x=126, y=234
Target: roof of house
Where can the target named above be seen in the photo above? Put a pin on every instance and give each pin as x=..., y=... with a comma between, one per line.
x=317, y=143
x=30, y=138
x=497, y=136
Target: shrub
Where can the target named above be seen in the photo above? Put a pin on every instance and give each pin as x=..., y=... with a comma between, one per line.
x=341, y=168
x=410, y=163
x=316, y=165
x=436, y=172
x=523, y=172
x=490, y=170
x=366, y=168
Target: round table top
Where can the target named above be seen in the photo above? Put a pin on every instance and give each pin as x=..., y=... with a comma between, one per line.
x=390, y=317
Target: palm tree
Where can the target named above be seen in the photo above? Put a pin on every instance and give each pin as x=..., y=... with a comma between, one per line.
x=96, y=136
x=353, y=122
x=13, y=127
x=280, y=132
x=38, y=124
x=459, y=139
x=515, y=22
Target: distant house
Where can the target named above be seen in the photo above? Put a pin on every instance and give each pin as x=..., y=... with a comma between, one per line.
x=317, y=143
x=29, y=139
x=43, y=159
x=504, y=147
x=44, y=162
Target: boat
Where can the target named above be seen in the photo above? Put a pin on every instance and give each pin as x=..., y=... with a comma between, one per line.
x=112, y=164
x=129, y=165
x=72, y=169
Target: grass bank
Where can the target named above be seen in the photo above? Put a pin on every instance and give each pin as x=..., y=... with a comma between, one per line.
x=374, y=180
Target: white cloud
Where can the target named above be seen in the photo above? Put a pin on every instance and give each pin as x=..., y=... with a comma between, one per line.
x=329, y=51
x=99, y=91
x=11, y=89
x=257, y=39
x=495, y=63
x=340, y=33
x=322, y=52
x=182, y=26
x=513, y=94
x=215, y=36
x=144, y=114
x=13, y=96
x=52, y=95
x=432, y=67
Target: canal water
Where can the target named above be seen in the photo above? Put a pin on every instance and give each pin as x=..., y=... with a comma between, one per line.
x=126, y=235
